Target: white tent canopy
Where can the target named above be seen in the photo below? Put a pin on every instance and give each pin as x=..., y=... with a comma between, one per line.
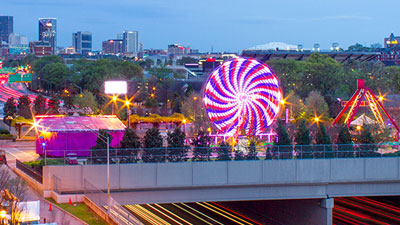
x=362, y=120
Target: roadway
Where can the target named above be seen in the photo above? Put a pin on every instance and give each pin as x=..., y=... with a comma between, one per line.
x=362, y=210
x=188, y=213
x=21, y=150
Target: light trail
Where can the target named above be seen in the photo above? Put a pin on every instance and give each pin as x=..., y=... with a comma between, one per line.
x=154, y=208
x=198, y=217
x=166, y=210
x=221, y=214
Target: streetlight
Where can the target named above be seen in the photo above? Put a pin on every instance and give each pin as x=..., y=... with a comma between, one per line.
x=44, y=152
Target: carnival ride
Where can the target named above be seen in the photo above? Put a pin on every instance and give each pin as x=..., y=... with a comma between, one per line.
x=372, y=102
x=242, y=96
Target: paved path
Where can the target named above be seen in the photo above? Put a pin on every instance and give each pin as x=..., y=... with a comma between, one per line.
x=25, y=151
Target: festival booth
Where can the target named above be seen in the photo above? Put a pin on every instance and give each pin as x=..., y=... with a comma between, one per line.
x=61, y=135
x=362, y=120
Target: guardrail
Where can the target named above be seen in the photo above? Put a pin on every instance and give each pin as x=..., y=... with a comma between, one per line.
x=29, y=171
x=268, y=152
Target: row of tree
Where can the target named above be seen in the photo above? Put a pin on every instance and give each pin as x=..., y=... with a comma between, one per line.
x=333, y=79
x=302, y=135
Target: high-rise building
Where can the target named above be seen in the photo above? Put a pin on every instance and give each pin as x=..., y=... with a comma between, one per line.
x=17, y=39
x=48, y=31
x=113, y=47
x=6, y=27
x=82, y=42
x=130, y=41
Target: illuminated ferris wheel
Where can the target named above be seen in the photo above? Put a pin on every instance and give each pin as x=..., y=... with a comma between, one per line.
x=242, y=95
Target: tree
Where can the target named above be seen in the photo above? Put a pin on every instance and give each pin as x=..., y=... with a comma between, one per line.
x=321, y=73
x=54, y=105
x=252, y=149
x=40, y=105
x=223, y=151
x=366, y=136
x=99, y=151
x=283, y=136
x=152, y=143
x=302, y=135
x=131, y=142
x=161, y=72
x=56, y=75
x=24, y=108
x=87, y=99
x=176, y=145
x=185, y=60
x=322, y=137
x=201, y=143
x=344, y=142
x=295, y=105
x=10, y=109
x=367, y=142
x=316, y=105
x=150, y=103
x=344, y=136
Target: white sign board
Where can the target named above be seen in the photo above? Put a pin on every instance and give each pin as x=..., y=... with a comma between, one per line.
x=115, y=87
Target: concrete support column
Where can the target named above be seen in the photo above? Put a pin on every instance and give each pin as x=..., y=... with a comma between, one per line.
x=328, y=204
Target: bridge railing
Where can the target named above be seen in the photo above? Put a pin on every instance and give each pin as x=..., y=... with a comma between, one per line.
x=220, y=153
x=117, y=212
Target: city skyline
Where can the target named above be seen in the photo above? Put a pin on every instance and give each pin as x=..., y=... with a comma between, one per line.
x=209, y=25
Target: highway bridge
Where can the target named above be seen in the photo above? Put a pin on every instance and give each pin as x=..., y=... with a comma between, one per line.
x=310, y=184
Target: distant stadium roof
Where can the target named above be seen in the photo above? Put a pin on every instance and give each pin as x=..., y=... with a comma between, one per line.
x=340, y=56
x=274, y=46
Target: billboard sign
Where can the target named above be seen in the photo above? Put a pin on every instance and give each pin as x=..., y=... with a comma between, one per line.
x=115, y=87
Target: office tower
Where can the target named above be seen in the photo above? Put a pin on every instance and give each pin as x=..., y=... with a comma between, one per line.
x=113, y=47
x=82, y=42
x=6, y=27
x=130, y=41
x=17, y=39
x=48, y=31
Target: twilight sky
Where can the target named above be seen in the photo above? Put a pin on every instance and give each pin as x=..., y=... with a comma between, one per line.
x=229, y=25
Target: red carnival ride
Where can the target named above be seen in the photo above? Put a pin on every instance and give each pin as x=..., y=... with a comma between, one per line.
x=371, y=100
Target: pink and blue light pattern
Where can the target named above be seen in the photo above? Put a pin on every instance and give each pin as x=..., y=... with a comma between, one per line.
x=242, y=94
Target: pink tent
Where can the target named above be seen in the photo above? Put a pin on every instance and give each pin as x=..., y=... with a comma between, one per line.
x=62, y=135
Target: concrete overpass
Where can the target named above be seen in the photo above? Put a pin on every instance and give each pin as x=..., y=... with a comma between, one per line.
x=318, y=179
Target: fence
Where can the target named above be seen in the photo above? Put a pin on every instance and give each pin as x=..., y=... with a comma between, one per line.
x=117, y=212
x=268, y=152
x=29, y=171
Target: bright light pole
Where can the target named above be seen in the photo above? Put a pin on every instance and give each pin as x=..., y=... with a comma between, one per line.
x=129, y=112
x=3, y=214
x=114, y=98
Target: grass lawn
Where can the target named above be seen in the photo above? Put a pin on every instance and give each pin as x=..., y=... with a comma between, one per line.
x=82, y=212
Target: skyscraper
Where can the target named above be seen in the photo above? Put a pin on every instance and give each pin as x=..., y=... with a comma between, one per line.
x=6, y=27
x=48, y=31
x=130, y=42
x=82, y=42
